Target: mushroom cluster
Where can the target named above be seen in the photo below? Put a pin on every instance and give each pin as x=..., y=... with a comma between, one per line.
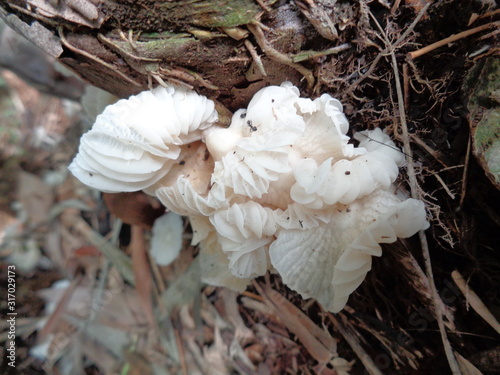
x=282, y=189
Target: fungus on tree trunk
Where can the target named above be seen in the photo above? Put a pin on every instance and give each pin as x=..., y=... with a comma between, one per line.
x=281, y=189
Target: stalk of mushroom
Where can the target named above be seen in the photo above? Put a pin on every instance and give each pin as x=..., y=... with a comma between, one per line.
x=281, y=189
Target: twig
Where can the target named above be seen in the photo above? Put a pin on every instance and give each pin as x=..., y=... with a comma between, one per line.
x=445, y=187
x=274, y=54
x=142, y=271
x=388, y=48
x=451, y=39
x=306, y=55
x=438, y=311
x=364, y=357
x=395, y=6
x=121, y=50
x=182, y=356
x=464, y=175
x=94, y=58
x=370, y=70
x=255, y=56
x=406, y=86
x=474, y=301
x=435, y=154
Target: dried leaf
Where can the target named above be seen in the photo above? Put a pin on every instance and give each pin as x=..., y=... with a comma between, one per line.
x=82, y=12
x=35, y=196
x=466, y=367
x=318, y=342
x=115, y=255
x=59, y=310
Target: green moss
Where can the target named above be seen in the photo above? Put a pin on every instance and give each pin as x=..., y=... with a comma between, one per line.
x=210, y=13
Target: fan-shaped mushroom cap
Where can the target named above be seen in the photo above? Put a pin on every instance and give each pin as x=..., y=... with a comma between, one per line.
x=166, y=239
x=330, y=261
x=214, y=265
x=244, y=232
x=325, y=132
x=344, y=180
x=136, y=141
x=254, y=150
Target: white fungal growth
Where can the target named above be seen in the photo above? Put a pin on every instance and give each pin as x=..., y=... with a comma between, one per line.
x=282, y=189
x=136, y=141
x=166, y=239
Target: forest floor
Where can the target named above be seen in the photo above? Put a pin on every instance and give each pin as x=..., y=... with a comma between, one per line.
x=87, y=302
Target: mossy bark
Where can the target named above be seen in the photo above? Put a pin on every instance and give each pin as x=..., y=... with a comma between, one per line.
x=124, y=46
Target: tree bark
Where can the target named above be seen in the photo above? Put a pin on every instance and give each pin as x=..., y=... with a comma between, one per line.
x=225, y=49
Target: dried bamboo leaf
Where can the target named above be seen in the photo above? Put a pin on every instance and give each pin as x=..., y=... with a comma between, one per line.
x=318, y=342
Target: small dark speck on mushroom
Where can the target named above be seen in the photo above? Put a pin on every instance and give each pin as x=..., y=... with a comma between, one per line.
x=300, y=222
x=347, y=173
x=348, y=209
x=91, y=174
x=243, y=115
x=252, y=128
x=272, y=100
x=182, y=162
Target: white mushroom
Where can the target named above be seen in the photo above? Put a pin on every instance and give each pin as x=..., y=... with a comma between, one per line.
x=282, y=188
x=136, y=141
x=244, y=232
x=166, y=238
x=330, y=261
x=214, y=265
x=344, y=180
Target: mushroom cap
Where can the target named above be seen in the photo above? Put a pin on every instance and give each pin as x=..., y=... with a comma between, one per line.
x=136, y=141
x=344, y=180
x=325, y=132
x=330, y=261
x=244, y=232
x=214, y=265
x=166, y=239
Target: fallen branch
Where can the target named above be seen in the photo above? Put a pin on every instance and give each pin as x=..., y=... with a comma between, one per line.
x=451, y=39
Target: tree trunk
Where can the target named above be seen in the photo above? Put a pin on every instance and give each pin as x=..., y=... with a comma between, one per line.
x=225, y=49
